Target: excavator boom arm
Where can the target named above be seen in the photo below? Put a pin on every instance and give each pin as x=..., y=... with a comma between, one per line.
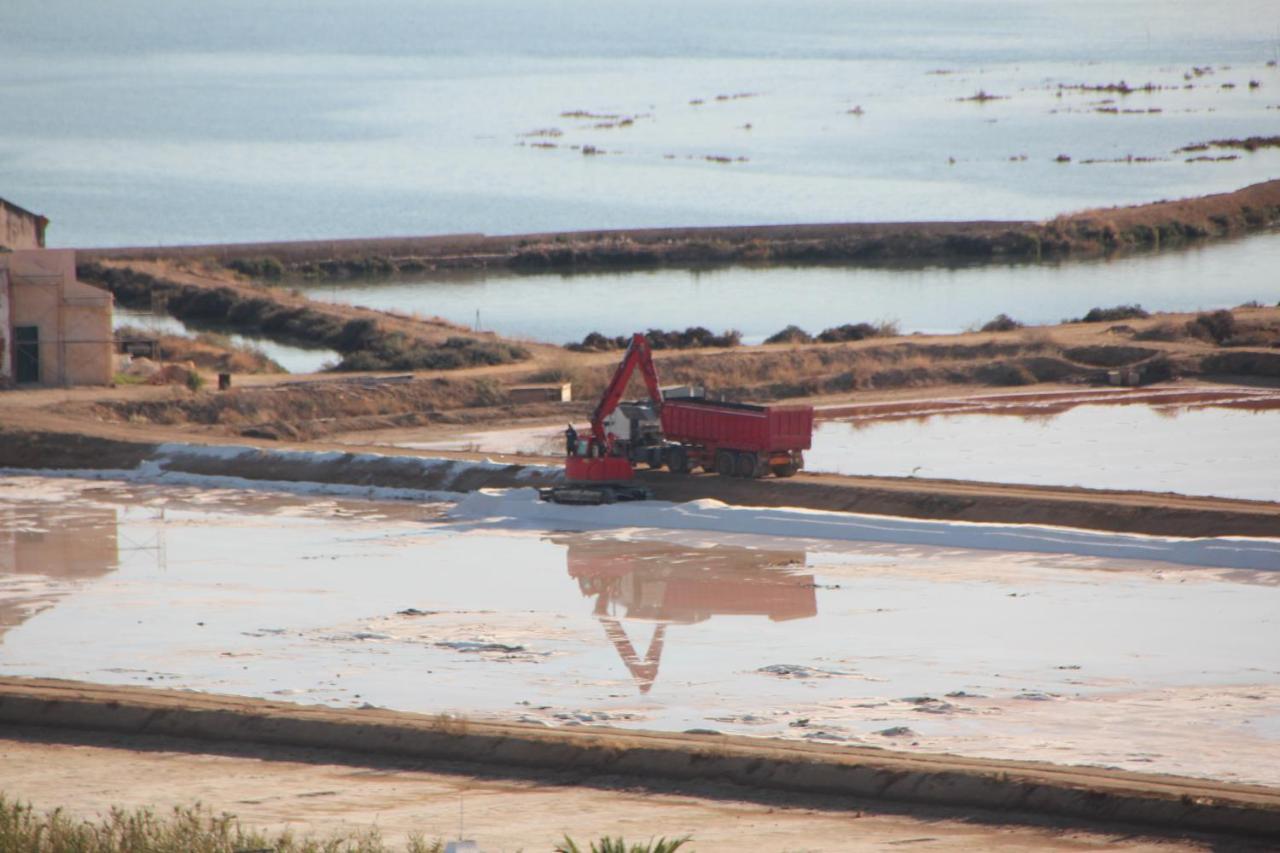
x=637, y=355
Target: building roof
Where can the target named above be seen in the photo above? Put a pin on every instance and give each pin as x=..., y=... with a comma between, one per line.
x=19, y=209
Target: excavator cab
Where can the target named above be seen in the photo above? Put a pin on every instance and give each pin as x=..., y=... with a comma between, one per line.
x=599, y=469
x=615, y=426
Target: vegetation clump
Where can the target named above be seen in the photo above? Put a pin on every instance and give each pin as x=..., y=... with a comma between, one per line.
x=1001, y=323
x=790, y=335
x=206, y=350
x=1113, y=315
x=396, y=351
x=184, y=830
x=619, y=845
x=268, y=268
x=1217, y=326
x=1162, y=332
x=691, y=338
x=858, y=332
x=1250, y=144
x=1221, y=328
x=982, y=96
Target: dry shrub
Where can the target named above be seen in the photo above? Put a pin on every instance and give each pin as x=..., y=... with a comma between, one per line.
x=1217, y=326
x=691, y=338
x=561, y=370
x=1005, y=373
x=1165, y=331
x=790, y=335
x=1038, y=339
x=1001, y=323
x=859, y=331
x=1112, y=315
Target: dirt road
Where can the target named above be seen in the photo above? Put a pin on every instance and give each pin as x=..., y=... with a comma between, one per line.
x=319, y=791
x=34, y=440
x=274, y=762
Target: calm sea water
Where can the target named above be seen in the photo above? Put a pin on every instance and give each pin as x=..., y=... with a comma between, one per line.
x=170, y=121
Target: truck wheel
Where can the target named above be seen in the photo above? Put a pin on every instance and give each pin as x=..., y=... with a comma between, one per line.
x=678, y=460
x=787, y=470
x=746, y=465
x=724, y=463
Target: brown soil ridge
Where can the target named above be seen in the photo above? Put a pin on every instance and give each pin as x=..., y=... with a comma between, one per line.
x=996, y=503
x=1170, y=803
x=1088, y=233
x=309, y=410
x=909, y=497
x=38, y=450
x=366, y=339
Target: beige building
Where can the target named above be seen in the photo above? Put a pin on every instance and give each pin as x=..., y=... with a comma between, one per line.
x=55, y=330
x=19, y=228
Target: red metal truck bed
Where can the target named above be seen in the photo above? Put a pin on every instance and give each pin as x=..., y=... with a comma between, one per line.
x=740, y=426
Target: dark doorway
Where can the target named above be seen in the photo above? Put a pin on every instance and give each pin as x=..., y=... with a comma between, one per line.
x=26, y=353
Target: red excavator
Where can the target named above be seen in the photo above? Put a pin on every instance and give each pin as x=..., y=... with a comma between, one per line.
x=681, y=430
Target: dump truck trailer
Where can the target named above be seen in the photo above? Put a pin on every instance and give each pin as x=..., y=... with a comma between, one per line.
x=678, y=432
x=735, y=439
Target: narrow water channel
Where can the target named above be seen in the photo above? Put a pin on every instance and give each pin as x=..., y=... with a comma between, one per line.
x=294, y=359
x=760, y=301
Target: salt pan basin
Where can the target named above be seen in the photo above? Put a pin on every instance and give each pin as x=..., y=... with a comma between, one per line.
x=1136, y=652
x=1192, y=450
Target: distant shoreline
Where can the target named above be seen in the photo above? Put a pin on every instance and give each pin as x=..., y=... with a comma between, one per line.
x=1089, y=233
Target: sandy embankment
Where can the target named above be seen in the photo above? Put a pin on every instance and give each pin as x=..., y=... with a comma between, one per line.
x=1090, y=232
x=322, y=792
x=1174, y=804
x=344, y=466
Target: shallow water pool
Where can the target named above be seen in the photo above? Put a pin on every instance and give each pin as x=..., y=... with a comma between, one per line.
x=935, y=647
x=1216, y=446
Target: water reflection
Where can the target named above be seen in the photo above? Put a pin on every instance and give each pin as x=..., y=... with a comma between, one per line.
x=54, y=542
x=1187, y=442
x=669, y=584
x=292, y=356
x=1044, y=406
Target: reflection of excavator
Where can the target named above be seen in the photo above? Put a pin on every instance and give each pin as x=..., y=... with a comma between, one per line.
x=679, y=432
x=669, y=584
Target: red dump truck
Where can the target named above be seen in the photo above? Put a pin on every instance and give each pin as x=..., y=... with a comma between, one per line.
x=679, y=432
x=735, y=439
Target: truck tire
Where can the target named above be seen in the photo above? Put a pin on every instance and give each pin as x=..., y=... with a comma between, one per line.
x=725, y=464
x=678, y=460
x=787, y=470
x=746, y=465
